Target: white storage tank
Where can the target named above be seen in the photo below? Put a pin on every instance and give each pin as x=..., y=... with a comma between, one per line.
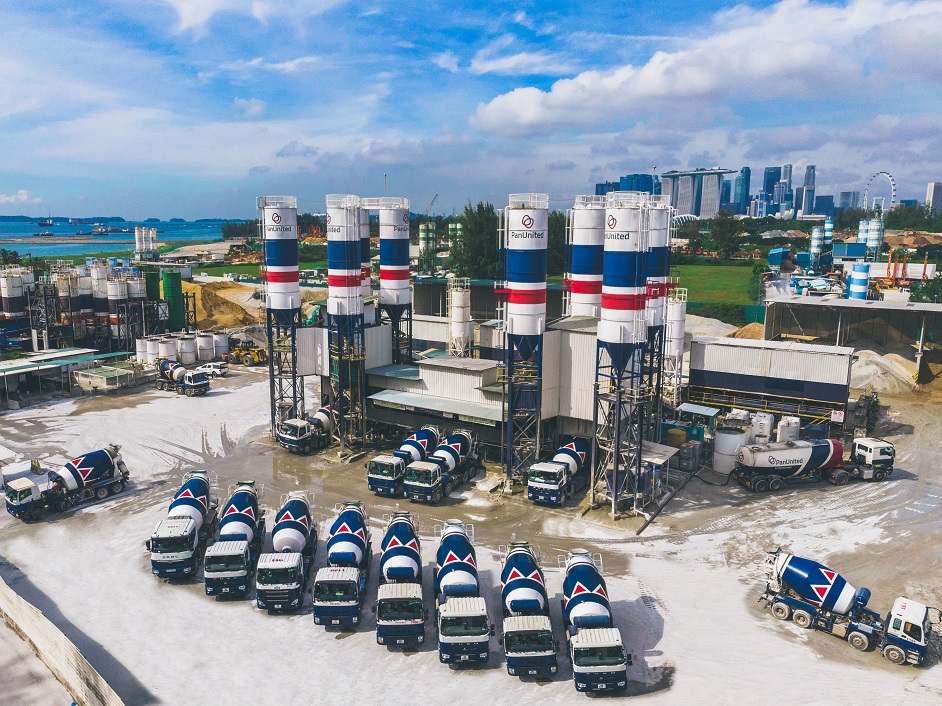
x=140, y=346
x=762, y=425
x=676, y=318
x=153, y=348
x=167, y=348
x=220, y=344
x=788, y=429
x=726, y=443
x=186, y=350
x=205, y=347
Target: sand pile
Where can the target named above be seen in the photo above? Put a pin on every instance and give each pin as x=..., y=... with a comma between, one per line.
x=215, y=308
x=753, y=331
x=890, y=373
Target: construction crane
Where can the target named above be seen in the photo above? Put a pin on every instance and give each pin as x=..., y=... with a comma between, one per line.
x=429, y=209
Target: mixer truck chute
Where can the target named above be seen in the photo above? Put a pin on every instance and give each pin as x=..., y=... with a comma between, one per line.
x=173, y=377
x=179, y=540
x=229, y=563
x=283, y=574
x=92, y=476
x=553, y=482
x=340, y=587
x=814, y=596
x=385, y=473
x=451, y=464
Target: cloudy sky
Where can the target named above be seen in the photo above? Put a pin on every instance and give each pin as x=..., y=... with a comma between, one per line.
x=192, y=108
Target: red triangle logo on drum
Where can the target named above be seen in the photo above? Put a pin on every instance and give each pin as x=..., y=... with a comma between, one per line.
x=514, y=575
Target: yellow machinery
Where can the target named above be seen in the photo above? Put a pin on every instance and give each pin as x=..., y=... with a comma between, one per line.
x=245, y=352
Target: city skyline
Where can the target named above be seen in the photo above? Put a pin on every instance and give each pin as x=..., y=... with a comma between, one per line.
x=192, y=108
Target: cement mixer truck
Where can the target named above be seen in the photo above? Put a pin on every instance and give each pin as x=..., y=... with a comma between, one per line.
x=763, y=467
x=384, y=474
x=179, y=540
x=464, y=630
x=173, y=377
x=229, y=563
x=283, y=574
x=400, y=604
x=598, y=656
x=529, y=646
x=553, y=482
x=92, y=476
x=303, y=436
x=814, y=596
x=340, y=587
x=451, y=464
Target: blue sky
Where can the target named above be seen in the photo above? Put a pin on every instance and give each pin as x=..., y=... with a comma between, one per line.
x=192, y=108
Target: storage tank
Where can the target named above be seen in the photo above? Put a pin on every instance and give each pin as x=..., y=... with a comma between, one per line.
x=585, y=596
x=527, y=218
x=343, y=257
x=186, y=350
x=293, y=525
x=86, y=469
x=167, y=348
x=788, y=429
x=400, y=553
x=726, y=443
x=859, y=281
x=86, y=298
x=152, y=285
x=366, y=288
x=417, y=446
x=523, y=587
x=280, y=230
x=140, y=350
x=100, y=274
x=863, y=230
x=220, y=344
x=828, y=234
x=205, y=347
x=193, y=498
x=791, y=458
x=395, y=292
x=875, y=235
x=659, y=246
x=153, y=348
x=674, y=333
x=456, y=567
x=462, y=327
x=240, y=515
x=817, y=243
x=137, y=290
x=117, y=296
x=349, y=537
x=587, y=228
x=173, y=295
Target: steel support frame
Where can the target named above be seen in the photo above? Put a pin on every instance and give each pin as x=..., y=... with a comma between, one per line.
x=400, y=318
x=653, y=381
x=286, y=388
x=347, y=398
x=523, y=375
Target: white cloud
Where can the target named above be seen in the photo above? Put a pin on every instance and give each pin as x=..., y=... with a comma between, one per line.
x=796, y=49
x=446, y=60
x=21, y=196
x=194, y=14
x=492, y=60
x=284, y=67
x=250, y=106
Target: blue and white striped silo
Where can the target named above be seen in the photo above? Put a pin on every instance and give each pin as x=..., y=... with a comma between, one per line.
x=859, y=281
x=280, y=225
x=863, y=230
x=587, y=228
x=395, y=294
x=828, y=234
x=344, y=271
x=659, y=241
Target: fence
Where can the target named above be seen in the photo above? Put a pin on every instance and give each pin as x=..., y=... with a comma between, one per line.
x=736, y=314
x=64, y=660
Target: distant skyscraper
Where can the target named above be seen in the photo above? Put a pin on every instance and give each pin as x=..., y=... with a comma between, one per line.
x=772, y=176
x=824, y=205
x=725, y=195
x=799, y=193
x=637, y=182
x=848, y=199
x=787, y=176
x=807, y=205
x=695, y=192
x=741, y=190
x=934, y=196
x=778, y=193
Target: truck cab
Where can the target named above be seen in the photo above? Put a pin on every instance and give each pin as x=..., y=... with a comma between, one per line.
x=300, y=436
x=384, y=475
x=529, y=646
x=423, y=482
x=464, y=630
x=546, y=483
x=175, y=547
x=339, y=592
x=194, y=383
x=599, y=660
x=400, y=615
x=280, y=581
x=23, y=498
x=872, y=458
x=227, y=568
x=908, y=630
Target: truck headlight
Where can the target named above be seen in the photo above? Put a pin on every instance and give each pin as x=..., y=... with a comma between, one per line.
x=421, y=638
x=483, y=655
x=187, y=569
x=511, y=671
x=553, y=669
x=621, y=683
x=356, y=619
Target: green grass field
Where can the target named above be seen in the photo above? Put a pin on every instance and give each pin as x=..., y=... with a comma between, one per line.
x=715, y=284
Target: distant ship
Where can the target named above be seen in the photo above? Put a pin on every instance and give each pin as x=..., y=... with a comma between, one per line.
x=45, y=233
x=45, y=222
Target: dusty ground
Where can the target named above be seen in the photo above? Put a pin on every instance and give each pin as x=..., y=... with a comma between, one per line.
x=26, y=680
x=684, y=593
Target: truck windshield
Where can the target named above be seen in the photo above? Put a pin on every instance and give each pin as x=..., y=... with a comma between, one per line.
x=290, y=430
x=200, y=377
x=544, y=476
x=598, y=656
x=529, y=641
x=283, y=574
x=399, y=609
x=418, y=475
x=887, y=451
x=466, y=626
x=335, y=592
x=383, y=470
x=171, y=545
x=218, y=564
x=15, y=497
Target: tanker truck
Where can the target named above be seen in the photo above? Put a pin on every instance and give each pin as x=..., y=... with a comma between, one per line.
x=763, y=467
x=529, y=646
x=464, y=629
x=94, y=475
x=814, y=596
x=384, y=474
x=400, y=606
x=303, y=436
x=283, y=574
x=340, y=587
x=173, y=377
x=553, y=482
x=179, y=540
x=598, y=656
x=229, y=563
x=450, y=464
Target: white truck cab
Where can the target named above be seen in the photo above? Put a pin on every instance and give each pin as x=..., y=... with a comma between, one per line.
x=226, y=567
x=463, y=625
x=527, y=637
x=599, y=660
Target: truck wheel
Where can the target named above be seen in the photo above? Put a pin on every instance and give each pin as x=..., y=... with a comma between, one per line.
x=117, y=487
x=231, y=359
x=189, y=393
x=840, y=478
x=782, y=611
x=247, y=360
x=305, y=449
x=879, y=475
x=776, y=484
x=101, y=493
x=894, y=654
x=858, y=641
x=802, y=619
x=36, y=514
x=760, y=485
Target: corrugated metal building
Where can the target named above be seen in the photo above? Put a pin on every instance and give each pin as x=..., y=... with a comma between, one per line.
x=812, y=381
